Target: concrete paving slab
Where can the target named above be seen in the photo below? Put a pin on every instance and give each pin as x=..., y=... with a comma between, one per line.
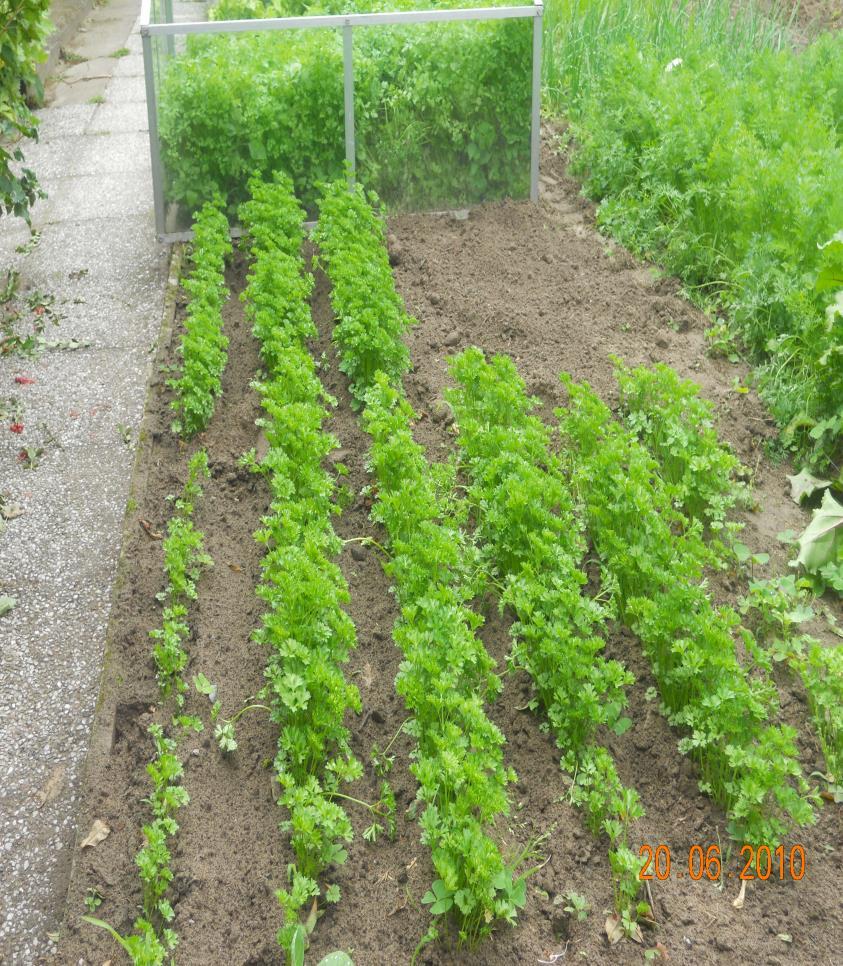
x=96, y=68
x=116, y=118
x=57, y=560
x=97, y=196
x=56, y=158
x=129, y=67
x=105, y=34
x=83, y=91
x=110, y=153
x=124, y=90
x=64, y=121
x=13, y=233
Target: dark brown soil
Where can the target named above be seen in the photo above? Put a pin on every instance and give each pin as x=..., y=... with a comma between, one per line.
x=538, y=283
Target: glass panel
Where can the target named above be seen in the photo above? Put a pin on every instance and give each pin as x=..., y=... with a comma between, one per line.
x=443, y=112
x=234, y=105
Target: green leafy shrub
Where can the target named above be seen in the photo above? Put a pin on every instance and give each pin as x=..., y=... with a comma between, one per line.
x=656, y=557
x=23, y=31
x=203, y=346
x=442, y=111
x=533, y=542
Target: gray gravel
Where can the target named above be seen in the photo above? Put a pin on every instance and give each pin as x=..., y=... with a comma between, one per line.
x=99, y=257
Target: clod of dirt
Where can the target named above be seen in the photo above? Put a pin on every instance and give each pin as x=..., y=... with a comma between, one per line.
x=394, y=249
x=440, y=412
x=452, y=339
x=561, y=924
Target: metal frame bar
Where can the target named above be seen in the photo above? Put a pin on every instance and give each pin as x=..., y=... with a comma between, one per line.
x=154, y=143
x=347, y=22
x=171, y=40
x=322, y=21
x=536, y=119
x=348, y=96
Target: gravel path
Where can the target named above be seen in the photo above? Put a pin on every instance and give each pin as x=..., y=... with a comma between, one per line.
x=98, y=256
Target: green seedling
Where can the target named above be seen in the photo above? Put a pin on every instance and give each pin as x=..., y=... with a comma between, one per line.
x=574, y=904
x=93, y=899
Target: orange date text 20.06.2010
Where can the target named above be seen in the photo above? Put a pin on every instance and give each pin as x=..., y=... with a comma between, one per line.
x=705, y=862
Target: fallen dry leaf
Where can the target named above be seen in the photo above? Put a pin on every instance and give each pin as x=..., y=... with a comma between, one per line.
x=152, y=534
x=99, y=832
x=614, y=929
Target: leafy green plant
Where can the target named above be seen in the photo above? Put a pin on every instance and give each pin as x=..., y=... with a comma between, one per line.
x=821, y=545
x=307, y=633
x=297, y=951
x=93, y=900
x=655, y=557
x=184, y=560
x=153, y=939
x=574, y=904
x=776, y=608
x=203, y=346
x=371, y=319
x=446, y=675
x=23, y=30
x=668, y=416
x=533, y=543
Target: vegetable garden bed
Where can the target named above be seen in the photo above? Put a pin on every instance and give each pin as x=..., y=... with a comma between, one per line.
x=538, y=284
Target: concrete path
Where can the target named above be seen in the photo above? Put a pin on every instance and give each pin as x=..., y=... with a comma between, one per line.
x=98, y=255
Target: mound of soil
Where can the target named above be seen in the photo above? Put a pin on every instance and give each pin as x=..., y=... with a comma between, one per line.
x=540, y=284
